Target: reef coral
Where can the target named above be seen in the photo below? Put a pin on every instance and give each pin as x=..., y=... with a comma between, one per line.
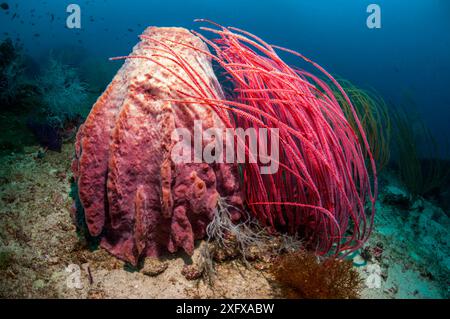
x=135, y=198
x=60, y=105
x=375, y=119
x=303, y=275
x=63, y=94
x=323, y=183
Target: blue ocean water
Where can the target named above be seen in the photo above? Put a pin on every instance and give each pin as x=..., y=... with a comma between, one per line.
x=409, y=55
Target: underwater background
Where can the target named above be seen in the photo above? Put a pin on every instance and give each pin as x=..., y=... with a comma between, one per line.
x=408, y=56
x=51, y=75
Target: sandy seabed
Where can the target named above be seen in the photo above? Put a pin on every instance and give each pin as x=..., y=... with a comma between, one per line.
x=40, y=251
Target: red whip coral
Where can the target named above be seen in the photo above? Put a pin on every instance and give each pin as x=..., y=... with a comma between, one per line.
x=134, y=197
x=322, y=186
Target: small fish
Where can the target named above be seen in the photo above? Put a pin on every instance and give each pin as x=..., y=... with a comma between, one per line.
x=37, y=35
x=130, y=30
x=4, y=6
x=14, y=16
x=53, y=17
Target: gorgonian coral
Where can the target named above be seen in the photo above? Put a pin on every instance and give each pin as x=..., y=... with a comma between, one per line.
x=375, y=119
x=321, y=188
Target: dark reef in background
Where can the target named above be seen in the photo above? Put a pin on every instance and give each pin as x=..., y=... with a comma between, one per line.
x=24, y=114
x=47, y=135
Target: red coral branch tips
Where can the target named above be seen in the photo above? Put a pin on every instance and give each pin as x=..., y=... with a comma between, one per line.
x=323, y=194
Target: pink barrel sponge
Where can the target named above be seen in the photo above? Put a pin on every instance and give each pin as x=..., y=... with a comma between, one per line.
x=135, y=198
